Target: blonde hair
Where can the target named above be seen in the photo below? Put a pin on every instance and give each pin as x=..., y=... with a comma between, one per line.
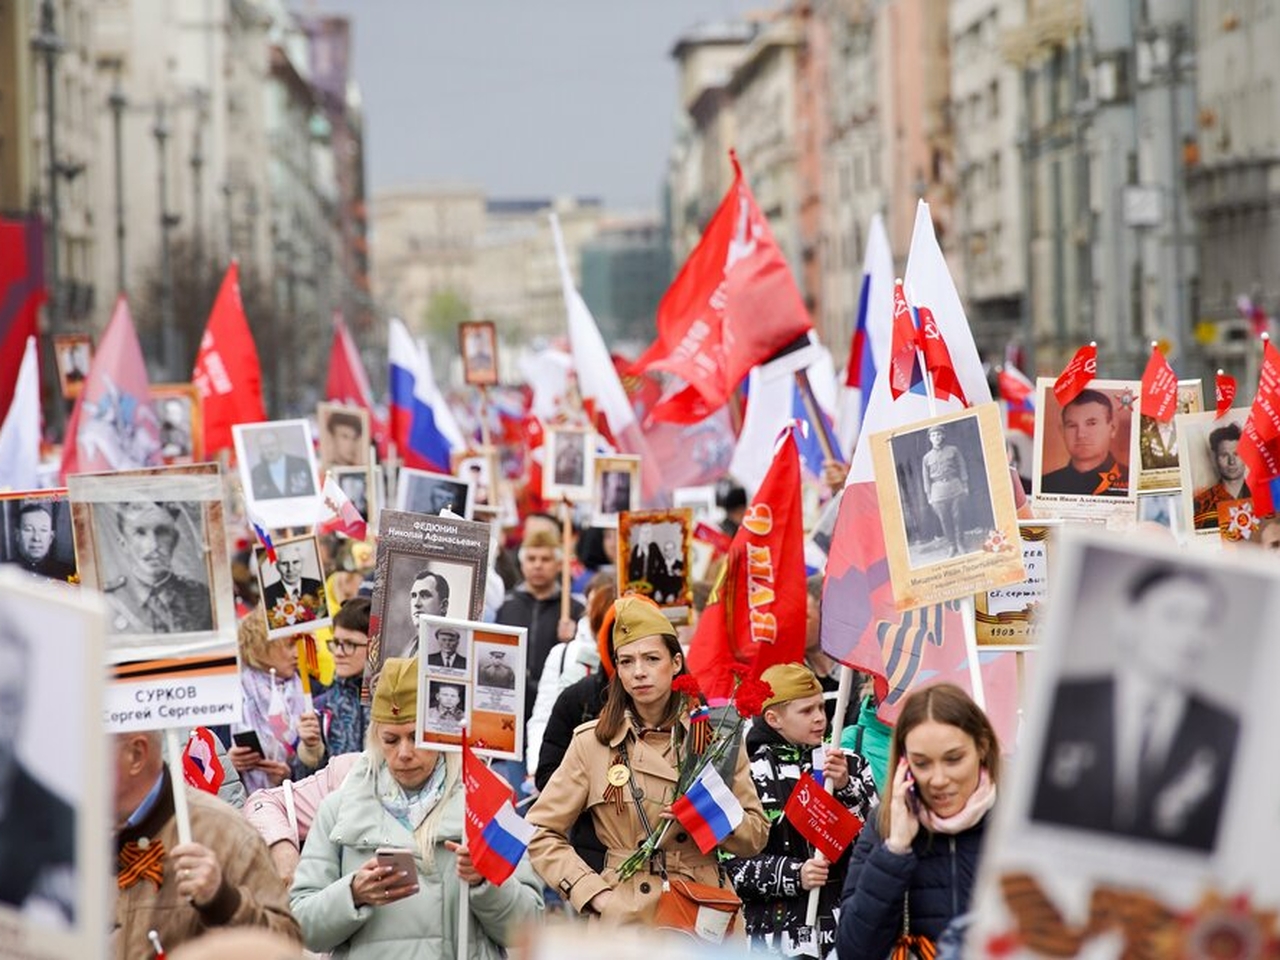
x=425, y=835
x=252, y=637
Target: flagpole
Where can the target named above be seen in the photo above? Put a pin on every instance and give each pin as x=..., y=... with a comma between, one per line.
x=830, y=451
x=843, y=693
x=484, y=417
x=968, y=616
x=566, y=530
x=178, y=782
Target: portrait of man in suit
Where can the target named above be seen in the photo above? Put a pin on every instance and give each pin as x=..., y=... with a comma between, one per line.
x=1141, y=751
x=428, y=596
x=447, y=656
x=279, y=474
x=291, y=566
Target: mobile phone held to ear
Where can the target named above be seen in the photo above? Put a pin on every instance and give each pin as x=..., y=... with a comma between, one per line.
x=249, y=738
x=398, y=859
x=913, y=795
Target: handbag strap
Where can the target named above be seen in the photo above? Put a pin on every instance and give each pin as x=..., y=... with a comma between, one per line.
x=644, y=818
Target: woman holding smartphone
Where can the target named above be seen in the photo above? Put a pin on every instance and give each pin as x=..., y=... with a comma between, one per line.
x=385, y=859
x=912, y=869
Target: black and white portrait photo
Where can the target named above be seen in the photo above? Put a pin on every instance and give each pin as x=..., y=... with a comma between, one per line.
x=1144, y=720
x=446, y=706
x=177, y=407
x=153, y=567
x=942, y=484
x=418, y=588
x=495, y=667
x=1212, y=471
x=479, y=342
x=73, y=354
x=567, y=468
x=356, y=484
x=292, y=588
x=448, y=649
x=419, y=491
x=344, y=435
x=617, y=488
x=37, y=535
x=278, y=459
x=656, y=562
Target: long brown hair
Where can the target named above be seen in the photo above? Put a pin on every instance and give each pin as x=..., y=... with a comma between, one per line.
x=941, y=703
x=613, y=715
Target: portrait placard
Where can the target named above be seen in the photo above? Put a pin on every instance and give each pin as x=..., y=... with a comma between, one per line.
x=292, y=588
x=1010, y=618
x=654, y=555
x=426, y=566
x=420, y=491
x=1083, y=454
x=154, y=543
x=478, y=341
x=278, y=472
x=37, y=535
x=617, y=489
x=74, y=355
x=479, y=467
x=344, y=435
x=1145, y=783
x=1158, y=442
x=361, y=487
x=181, y=427
x=566, y=468
x=1211, y=469
x=484, y=694
x=55, y=881
x=950, y=523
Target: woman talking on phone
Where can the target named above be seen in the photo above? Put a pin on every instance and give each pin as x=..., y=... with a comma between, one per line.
x=385, y=860
x=912, y=869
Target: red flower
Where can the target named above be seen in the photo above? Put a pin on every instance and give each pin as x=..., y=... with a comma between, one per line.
x=740, y=670
x=687, y=684
x=750, y=696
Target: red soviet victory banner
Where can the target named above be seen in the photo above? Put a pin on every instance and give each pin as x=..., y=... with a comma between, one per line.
x=227, y=373
x=762, y=591
x=1159, y=388
x=820, y=818
x=1224, y=393
x=903, y=368
x=1077, y=374
x=733, y=305
x=1260, y=443
x=937, y=359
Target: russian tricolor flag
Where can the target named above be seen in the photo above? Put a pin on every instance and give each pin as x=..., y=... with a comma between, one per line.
x=708, y=810
x=496, y=836
x=422, y=426
x=1017, y=391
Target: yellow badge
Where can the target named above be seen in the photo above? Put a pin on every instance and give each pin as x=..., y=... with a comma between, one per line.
x=618, y=775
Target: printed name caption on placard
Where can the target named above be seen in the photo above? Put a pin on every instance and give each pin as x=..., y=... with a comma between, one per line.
x=131, y=706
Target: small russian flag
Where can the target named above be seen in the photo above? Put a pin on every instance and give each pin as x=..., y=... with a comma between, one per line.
x=708, y=810
x=263, y=536
x=496, y=836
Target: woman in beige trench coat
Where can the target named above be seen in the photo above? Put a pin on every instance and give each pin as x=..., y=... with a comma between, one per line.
x=645, y=722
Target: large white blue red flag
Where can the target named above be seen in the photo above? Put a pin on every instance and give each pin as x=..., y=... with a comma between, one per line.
x=708, y=809
x=422, y=425
x=496, y=836
x=871, y=331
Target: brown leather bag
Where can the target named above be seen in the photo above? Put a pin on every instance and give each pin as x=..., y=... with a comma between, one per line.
x=698, y=910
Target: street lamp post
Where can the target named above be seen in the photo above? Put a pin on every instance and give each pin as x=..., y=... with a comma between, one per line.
x=117, y=103
x=168, y=221
x=49, y=45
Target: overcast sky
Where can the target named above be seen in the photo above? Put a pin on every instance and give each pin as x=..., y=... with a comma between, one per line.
x=522, y=97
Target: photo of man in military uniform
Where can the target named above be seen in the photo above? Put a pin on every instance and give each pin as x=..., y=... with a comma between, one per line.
x=35, y=546
x=149, y=596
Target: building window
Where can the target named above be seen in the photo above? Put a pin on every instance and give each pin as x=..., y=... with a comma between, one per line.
x=993, y=100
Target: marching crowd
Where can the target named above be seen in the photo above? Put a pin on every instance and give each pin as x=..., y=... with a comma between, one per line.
x=322, y=790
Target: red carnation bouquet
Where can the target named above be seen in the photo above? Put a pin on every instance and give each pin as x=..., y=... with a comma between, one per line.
x=704, y=745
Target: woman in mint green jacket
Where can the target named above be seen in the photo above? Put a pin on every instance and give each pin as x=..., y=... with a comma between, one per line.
x=400, y=796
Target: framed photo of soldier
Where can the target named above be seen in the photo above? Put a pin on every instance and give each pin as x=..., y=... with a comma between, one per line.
x=950, y=523
x=425, y=567
x=485, y=693
x=617, y=489
x=345, y=437
x=1145, y=783
x=654, y=559
x=1086, y=453
x=479, y=467
x=181, y=429
x=1158, y=442
x=278, y=471
x=1012, y=617
x=292, y=588
x=361, y=488
x=1211, y=468
x=53, y=773
x=421, y=491
x=478, y=341
x=37, y=534
x=73, y=353
x=566, y=466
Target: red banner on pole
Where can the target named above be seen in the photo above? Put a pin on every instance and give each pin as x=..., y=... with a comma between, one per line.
x=820, y=818
x=1077, y=374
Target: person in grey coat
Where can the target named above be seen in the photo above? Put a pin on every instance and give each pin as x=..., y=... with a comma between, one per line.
x=400, y=796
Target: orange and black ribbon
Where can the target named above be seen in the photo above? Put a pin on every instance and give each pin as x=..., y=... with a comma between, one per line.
x=137, y=864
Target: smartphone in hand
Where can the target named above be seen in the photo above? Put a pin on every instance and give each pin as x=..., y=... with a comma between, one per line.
x=249, y=738
x=399, y=859
x=913, y=795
